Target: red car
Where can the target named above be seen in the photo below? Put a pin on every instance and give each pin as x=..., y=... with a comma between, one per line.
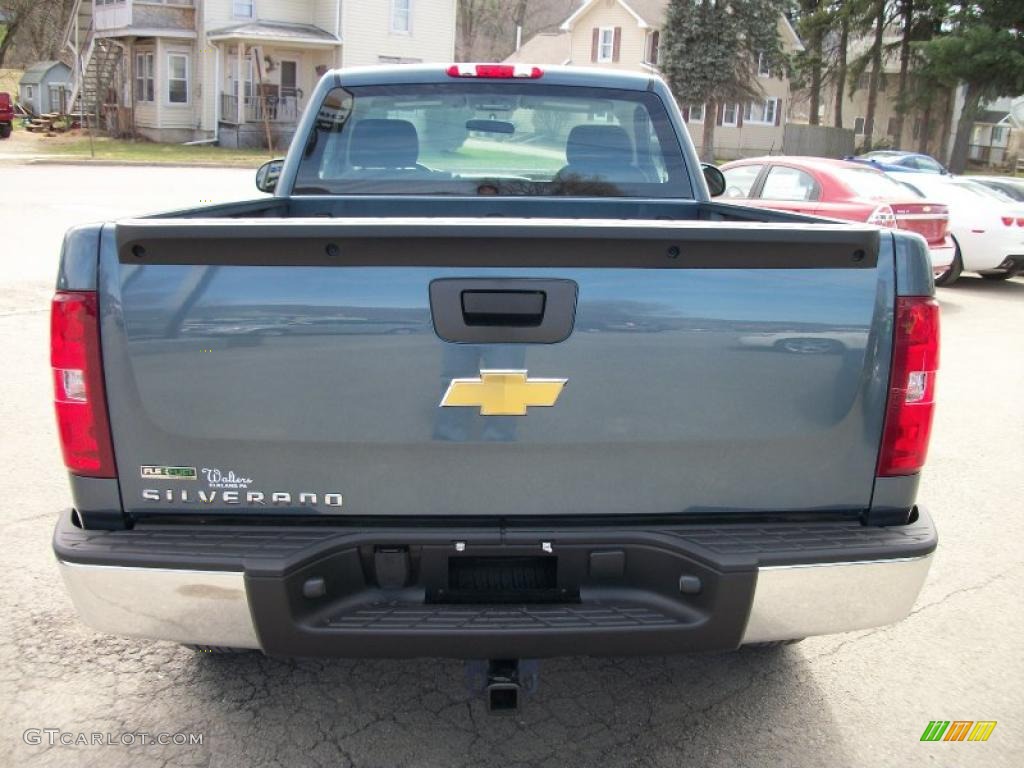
x=839, y=190
x=6, y=115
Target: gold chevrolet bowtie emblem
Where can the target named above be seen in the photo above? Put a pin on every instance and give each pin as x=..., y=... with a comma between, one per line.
x=502, y=393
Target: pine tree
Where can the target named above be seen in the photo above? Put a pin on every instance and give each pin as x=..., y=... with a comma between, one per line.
x=710, y=51
x=983, y=51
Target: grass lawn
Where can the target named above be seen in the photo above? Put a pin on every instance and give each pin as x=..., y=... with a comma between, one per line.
x=76, y=145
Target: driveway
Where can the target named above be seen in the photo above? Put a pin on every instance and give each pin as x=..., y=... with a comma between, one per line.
x=852, y=700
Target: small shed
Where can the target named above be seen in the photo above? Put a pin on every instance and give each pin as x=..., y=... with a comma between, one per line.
x=45, y=87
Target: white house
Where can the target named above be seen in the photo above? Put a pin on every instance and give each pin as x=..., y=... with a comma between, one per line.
x=187, y=70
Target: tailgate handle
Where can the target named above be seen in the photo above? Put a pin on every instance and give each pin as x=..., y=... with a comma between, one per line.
x=524, y=309
x=510, y=310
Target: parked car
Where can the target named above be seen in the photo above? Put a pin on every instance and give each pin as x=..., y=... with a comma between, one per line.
x=6, y=115
x=1010, y=186
x=840, y=190
x=504, y=485
x=987, y=226
x=895, y=161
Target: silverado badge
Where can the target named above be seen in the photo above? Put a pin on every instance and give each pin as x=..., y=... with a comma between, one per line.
x=502, y=393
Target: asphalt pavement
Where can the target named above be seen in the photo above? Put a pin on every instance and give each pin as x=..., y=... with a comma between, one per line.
x=860, y=699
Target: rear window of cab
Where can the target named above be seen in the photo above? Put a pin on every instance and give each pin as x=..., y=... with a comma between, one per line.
x=487, y=138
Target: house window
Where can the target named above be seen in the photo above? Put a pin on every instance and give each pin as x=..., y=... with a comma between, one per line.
x=177, y=78
x=763, y=112
x=1000, y=134
x=654, y=47
x=144, y=76
x=862, y=81
x=696, y=113
x=891, y=127
x=917, y=127
x=763, y=70
x=401, y=16
x=858, y=126
x=729, y=113
x=606, y=44
x=30, y=92
x=242, y=9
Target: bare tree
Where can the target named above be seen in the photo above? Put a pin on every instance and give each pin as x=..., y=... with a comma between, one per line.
x=17, y=13
x=487, y=28
x=34, y=29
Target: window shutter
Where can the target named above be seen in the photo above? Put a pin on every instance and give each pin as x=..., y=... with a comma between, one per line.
x=719, y=113
x=778, y=112
x=594, y=42
x=686, y=114
x=739, y=115
x=616, y=41
x=655, y=41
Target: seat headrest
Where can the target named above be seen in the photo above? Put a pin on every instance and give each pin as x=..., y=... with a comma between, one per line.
x=380, y=143
x=598, y=145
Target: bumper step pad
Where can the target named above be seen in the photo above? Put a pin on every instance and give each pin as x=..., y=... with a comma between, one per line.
x=398, y=616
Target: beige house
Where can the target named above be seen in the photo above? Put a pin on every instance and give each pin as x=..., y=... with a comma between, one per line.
x=924, y=133
x=625, y=34
x=193, y=70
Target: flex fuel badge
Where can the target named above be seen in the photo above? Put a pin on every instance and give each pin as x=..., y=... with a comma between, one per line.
x=167, y=473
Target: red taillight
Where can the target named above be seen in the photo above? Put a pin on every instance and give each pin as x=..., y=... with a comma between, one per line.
x=1020, y=221
x=78, y=392
x=1007, y=221
x=495, y=71
x=915, y=360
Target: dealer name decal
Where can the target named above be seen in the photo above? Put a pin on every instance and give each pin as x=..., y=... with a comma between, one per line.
x=217, y=478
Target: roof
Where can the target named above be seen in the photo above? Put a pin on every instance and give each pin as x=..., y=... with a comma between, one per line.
x=275, y=31
x=651, y=11
x=648, y=13
x=807, y=161
x=993, y=116
x=413, y=74
x=38, y=72
x=545, y=48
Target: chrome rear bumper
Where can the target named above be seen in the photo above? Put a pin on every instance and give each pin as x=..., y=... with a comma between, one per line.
x=795, y=601
x=198, y=607
x=212, y=607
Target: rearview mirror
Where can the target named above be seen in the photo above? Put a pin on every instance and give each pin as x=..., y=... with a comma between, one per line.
x=490, y=126
x=715, y=179
x=268, y=174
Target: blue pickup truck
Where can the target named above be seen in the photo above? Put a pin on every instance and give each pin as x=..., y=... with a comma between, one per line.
x=492, y=376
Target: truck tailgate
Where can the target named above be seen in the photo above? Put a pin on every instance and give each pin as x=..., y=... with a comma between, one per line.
x=296, y=367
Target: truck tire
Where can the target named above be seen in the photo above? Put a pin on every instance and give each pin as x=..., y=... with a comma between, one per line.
x=5, y=130
x=218, y=649
x=952, y=274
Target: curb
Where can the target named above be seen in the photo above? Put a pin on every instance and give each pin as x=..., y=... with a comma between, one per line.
x=36, y=160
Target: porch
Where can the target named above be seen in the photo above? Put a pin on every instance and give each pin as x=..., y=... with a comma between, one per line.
x=274, y=105
x=265, y=73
